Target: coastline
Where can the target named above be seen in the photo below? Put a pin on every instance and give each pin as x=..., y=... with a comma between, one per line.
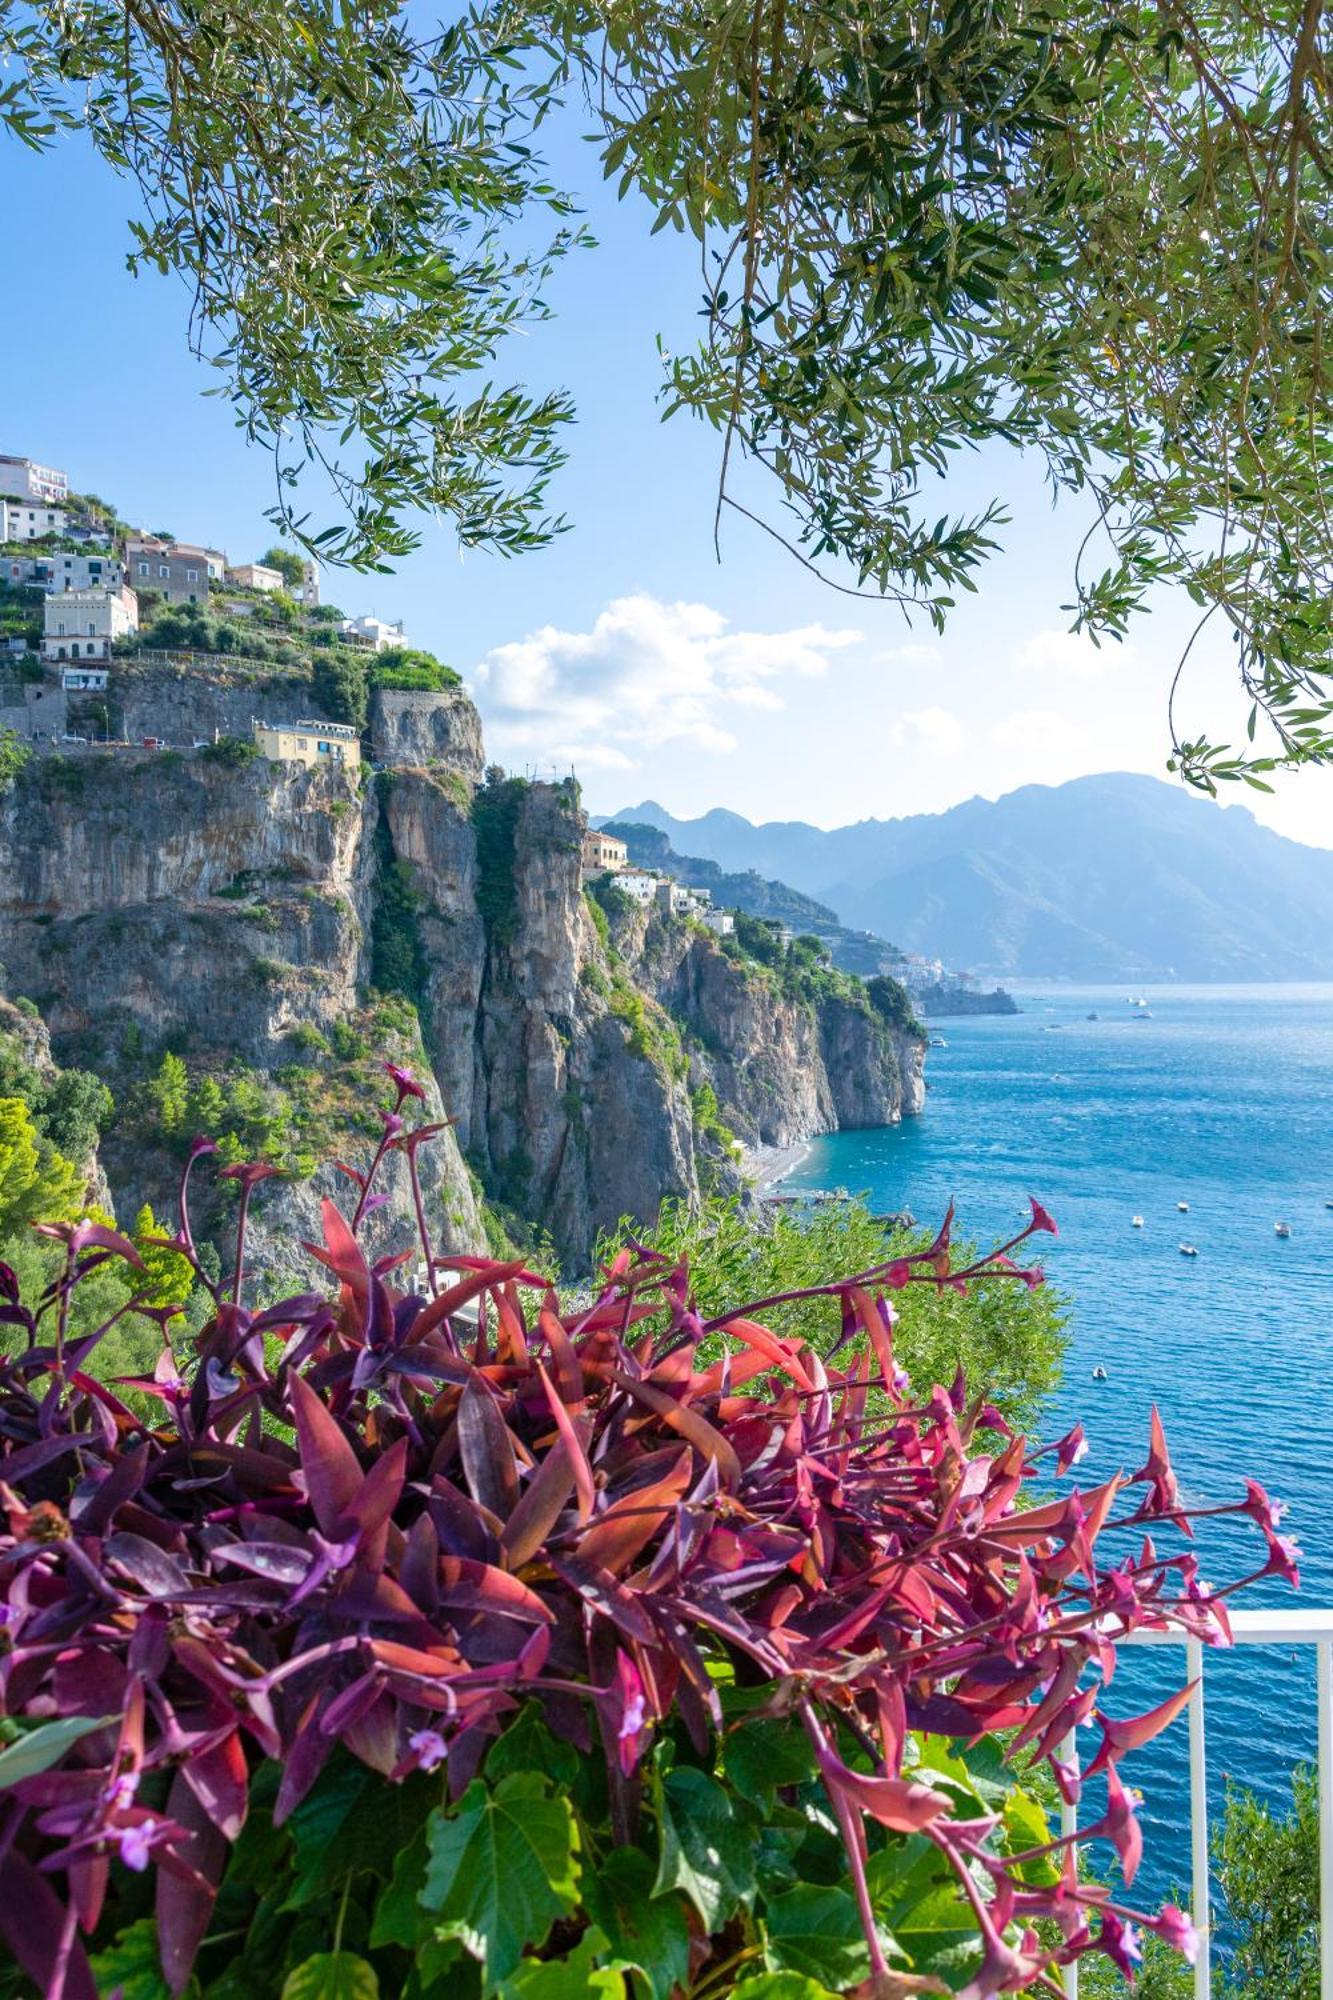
x=767, y=1166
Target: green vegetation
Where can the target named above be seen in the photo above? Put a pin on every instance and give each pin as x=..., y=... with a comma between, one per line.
x=232, y=752
x=495, y=809
x=1266, y=1881
x=21, y=614
x=397, y=958
x=68, y=1107
x=1009, y=1340
x=13, y=756
x=289, y=565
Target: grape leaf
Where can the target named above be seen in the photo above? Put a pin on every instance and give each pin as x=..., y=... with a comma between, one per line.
x=503, y=1866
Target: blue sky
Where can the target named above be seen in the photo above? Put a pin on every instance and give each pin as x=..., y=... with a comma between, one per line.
x=624, y=649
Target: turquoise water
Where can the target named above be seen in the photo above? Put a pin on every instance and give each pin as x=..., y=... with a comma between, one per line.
x=1223, y=1099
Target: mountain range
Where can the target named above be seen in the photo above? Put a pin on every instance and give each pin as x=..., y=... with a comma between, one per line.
x=1117, y=876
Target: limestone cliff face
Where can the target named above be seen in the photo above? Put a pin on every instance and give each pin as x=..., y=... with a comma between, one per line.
x=245, y=913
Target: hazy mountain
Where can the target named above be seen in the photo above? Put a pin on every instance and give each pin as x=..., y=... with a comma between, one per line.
x=1116, y=876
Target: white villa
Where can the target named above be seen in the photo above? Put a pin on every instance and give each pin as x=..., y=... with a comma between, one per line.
x=63, y=572
x=255, y=576
x=24, y=479
x=28, y=520
x=85, y=624
x=376, y=633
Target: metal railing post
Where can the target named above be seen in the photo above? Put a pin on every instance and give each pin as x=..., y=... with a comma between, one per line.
x=1323, y=1654
x=1069, y=1824
x=1202, y=1911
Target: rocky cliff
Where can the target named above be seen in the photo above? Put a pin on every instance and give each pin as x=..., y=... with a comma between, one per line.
x=235, y=942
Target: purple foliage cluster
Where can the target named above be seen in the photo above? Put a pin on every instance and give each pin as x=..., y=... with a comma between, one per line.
x=384, y=1518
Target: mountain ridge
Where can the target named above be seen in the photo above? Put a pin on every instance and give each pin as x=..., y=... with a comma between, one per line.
x=1115, y=875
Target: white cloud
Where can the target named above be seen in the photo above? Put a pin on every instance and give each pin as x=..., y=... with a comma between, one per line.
x=933, y=729
x=916, y=653
x=646, y=675
x=1041, y=731
x=1071, y=653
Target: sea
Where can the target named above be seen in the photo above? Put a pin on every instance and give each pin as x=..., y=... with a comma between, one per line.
x=1220, y=1097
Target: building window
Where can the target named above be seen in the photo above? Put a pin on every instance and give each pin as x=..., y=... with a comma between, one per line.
x=145, y=569
x=164, y=569
x=192, y=576
x=74, y=652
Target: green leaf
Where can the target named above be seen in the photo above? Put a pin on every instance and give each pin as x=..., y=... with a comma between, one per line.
x=817, y=1931
x=646, y=1931
x=38, y=1749
x=766, y=1755
x=528, y=1745
x=916, y=1897
x=503, y=1866
x=781, y=1986
x=399, y=1917
x=131, y=1966
x=705, y=1852
x=332, y=1975
x=562, y=1978
x=353, y=1823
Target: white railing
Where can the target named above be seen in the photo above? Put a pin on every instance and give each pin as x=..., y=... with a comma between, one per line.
x=1250, y=1628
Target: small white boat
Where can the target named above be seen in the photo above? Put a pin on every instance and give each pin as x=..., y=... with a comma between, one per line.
x=938, y=1042
x=1099, y=1373
x=1136, y=1222
x=1189, y=1250
x=1282, y=1229
x=1184, y=1207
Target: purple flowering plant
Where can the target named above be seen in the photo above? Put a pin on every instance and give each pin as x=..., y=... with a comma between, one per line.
x=443, y=1641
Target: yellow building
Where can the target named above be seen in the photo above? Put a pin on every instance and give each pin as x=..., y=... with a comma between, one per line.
x=309, y=742
x=603, y=854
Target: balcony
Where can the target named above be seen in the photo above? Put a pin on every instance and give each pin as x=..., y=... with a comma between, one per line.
x=1312, y=1629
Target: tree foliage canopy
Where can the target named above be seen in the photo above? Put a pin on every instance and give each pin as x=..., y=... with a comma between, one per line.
x=1095, y=230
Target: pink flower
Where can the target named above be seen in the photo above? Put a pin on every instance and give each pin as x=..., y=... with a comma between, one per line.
x=406, y=1083
x=634, y=1722
x=1261, y=1507
x=1175, y=1929
x=1284, y=1557
x=429, y=1747
x=134, y=1843
x=1042, y=1217
x=1120, y=1942
x=1071, y=1449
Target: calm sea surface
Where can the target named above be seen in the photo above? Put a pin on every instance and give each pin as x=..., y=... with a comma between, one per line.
x=1223, y=1099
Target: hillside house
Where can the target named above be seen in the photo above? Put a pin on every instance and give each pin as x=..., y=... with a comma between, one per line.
x=603, y=854
x=375, y=633
x=179, y=571
x=85, y=680
x=721, y=922
x=85, y=624
x=24, y=479
x=63, y=572
x=255, y=576
x=309, y=743
x=29, y=520
x=638, y=885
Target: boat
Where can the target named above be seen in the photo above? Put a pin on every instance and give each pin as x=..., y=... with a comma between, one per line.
x=938, y=1042
x=1184, y=1207
x=1099, y=1373
x=1143, y=1013
x=1189, y=1250
x=1136, y=1222
x=1092, y=1016
x=1282, y=1229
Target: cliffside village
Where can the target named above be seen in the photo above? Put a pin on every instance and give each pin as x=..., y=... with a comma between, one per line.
x=92, y=583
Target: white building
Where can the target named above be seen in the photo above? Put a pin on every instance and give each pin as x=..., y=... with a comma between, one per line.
x=721, y=922
x=85, y=624
x=256, y=576
x=84, y=680
x=375, y=633
x=310, y=583
x=27, y=520
x=63, y=572
x=638, y=885
x=23, y=479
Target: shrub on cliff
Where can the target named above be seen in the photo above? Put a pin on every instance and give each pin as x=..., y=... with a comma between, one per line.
x=402, y=1651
